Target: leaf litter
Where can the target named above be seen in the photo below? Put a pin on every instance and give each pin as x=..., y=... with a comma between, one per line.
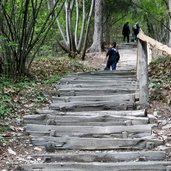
x=24, y=97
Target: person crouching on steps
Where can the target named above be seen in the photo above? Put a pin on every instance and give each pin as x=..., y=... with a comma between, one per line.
x=112, y=57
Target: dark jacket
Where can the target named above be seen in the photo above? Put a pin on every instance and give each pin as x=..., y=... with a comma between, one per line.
x=136, y=29
x=126, y=29
x=113, y=55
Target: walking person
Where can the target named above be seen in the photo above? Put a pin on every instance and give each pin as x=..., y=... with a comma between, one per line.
x=136, y=30
x=126, y=32
x=112, y=57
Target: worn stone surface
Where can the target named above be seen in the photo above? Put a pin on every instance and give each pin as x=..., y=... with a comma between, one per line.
x=103, y=156
x=95, y=119
x=76, y=143
x=122, y=166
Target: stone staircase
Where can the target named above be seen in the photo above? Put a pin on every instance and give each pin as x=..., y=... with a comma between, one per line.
x=96, y=124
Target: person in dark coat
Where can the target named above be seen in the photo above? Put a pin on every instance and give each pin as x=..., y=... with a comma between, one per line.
x=136, y=30
x=112, y=57
x=126, y=31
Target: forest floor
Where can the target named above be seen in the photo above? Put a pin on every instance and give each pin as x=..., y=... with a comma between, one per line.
x=15, y=146
x=35, y=94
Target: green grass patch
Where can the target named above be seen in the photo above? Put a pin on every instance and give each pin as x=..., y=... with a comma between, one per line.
x=3, y=128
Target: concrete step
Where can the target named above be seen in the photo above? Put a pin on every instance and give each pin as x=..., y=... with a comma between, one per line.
x=85, y=120
x=114, y=98
x=95, y=91
x=95, y=81
x=101, y=156
x=107, y=73
x=89, y=85
x=96, y=166
x=135, y=131
x=104, y=77
x=92, y=106
x=77, y=143
x=135, y=113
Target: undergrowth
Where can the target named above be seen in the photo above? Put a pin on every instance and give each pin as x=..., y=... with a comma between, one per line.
x=160, y=80
x=20, y=97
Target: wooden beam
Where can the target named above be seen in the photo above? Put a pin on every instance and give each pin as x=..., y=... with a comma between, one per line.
x=142, y=72
x=155, y=44
x=97, y=166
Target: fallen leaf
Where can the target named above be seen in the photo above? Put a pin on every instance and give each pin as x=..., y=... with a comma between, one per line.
x=37, y=149
x=11, y=151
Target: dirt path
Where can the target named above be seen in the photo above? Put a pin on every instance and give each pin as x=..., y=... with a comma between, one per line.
x=128, y=57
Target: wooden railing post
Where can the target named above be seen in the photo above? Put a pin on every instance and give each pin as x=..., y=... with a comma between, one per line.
x=142, y=72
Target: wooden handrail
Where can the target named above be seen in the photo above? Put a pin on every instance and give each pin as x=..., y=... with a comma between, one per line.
x=155, y=44
x=145, y=44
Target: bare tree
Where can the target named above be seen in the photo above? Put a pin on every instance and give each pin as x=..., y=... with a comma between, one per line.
x=21, y=38
x=1, y=28
x=168, y=5
x=74, y=40
x=97, y=37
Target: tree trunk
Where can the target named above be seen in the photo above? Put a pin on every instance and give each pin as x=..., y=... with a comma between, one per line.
x=82, y=28
x=107, y=32
x=87, y=30
x=97, y=37
x=169, y=5
x=1, y=44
